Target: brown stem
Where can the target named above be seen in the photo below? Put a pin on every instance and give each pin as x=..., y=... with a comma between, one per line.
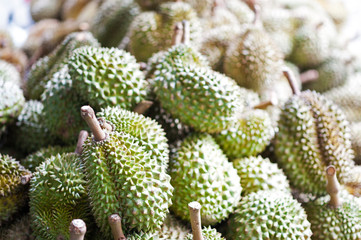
x=77, y=229
x=319, y=25
x=195, y=215
x=309, y=76
x=83, y=135
x=143, y=106
x=186, y=32
x=272, y=102
x=115, y=223
x=291, y=80
x=177, y=34
x=333, y=187
x=25, y=179
x=88, y=115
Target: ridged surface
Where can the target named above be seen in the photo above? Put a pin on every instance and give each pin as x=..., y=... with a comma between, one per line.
x=11, y=102
x=208, y=233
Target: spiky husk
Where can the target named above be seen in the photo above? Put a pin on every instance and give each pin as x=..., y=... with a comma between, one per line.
x=61, y=107
x=8, y=72
x=343, y=222
x=107, y=77
x=313, y=134
x=19, y=230
x=124, y=178
x=353, y=181
x=173, y=229
x=259, y=173
x=13, y=194
x=201, y=172
x=148, y=132
x=112, y=21
x=57, y=196
x=356, y=140
x=248, y=136
x=143, y=236
x=208, y=233
x=269, y=215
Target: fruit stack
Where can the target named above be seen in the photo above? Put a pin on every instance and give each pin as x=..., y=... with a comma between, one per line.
x=154, y=119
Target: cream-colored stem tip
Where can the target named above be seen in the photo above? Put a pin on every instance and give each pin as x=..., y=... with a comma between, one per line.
x=88, y=115
x=77, y=229
x=195, y=215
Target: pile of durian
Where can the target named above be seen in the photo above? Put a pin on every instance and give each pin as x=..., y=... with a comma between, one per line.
x=181, y=120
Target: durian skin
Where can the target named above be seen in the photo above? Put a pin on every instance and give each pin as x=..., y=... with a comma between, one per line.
x=13, y=194
x=208, y=233
x=356, y=140
x=259, y=173
x=107, y=77
x=112, y=21
x=201, y=172
x=134, y=186
x=312, y=132
x=8, y=72
x=269, y=215
x=31, y=133
x=57, y=196
x=19, y=230
x=192, y=94
x=148, y=132
x=248, y=136
x=61, y=107
x=329, y=223
x=173, y=229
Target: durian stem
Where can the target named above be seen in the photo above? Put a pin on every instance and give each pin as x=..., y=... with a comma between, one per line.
x=333, y=187
x=309, y=76
x=186, y=32
x=195, y=215
x=177, y=34
x=319, y=25
x=83, y=135
x=263, y=105
x=115, y=223
x=291, y=80
x=25, y=179
x=143, y=106
x=88, y=115
x=77, y=229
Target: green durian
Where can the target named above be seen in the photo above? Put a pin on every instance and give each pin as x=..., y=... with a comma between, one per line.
x=57, y=196
x=356, y=140
x=13, y=188
x=208, y=233
x=173, y=229
x=200, y=171
x=107, y=77
x=8, y=72
x=151, y=32
x=241, y=10
x=148, y=132
x=248, y=136
x=61, y=104
x=269, y=215
x=31, y=133
x=124, y=177
x=112, y=21
x=11, y=103
x=33, y=160
x=18, y=230
x=353, y=182
x=42, y=71
x=336, y=216
x=259, y=173
x=312, y=132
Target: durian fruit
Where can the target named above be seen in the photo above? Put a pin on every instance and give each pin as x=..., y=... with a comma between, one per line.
x=41, y=9
x=16, y=57
x=173, y=229
x=336, y=216
x=42, y=71
x=199, y=233
x=347, y=97
x=72, y=9
x=248, y=136
x=107, y=77
x=200, y=171
x=18, y=230
x=192, y=93
x=33, y=160
x=356, y=140
x=58, y=195
x=123, y=177
x=313, y=133
x=11, y=103
x=241, y=10
x=30, y=133
x=148, y=132
x=336, y=9
x=111, y=23
x=259, y=173
x=353, y=182
x=61, y=104
x=13, y=187
x=150, y=31
x=9, y=73
x=269, y=214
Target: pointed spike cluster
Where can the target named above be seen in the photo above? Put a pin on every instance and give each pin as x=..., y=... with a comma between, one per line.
x=143, y=106
x=195, y=215
x=333, y=187
x=77, y=229
x=115, y=223
x=291, y=80
x=177, y=34
x=88, y=115
x=83, y=135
